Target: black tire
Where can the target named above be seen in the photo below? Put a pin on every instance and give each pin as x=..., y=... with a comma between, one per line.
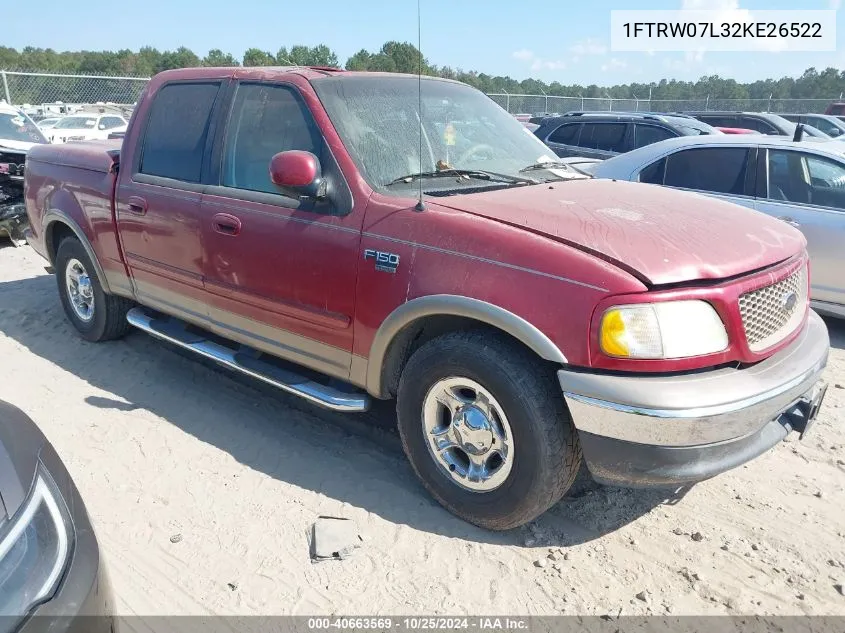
x=109, y=315
x=546, y=451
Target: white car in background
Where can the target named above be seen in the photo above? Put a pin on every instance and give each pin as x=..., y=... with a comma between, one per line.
x=17, y=130
x=799, y=182
x=86, y=127
x=46, y=124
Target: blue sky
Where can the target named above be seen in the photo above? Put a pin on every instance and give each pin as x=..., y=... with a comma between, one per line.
x=568, y=41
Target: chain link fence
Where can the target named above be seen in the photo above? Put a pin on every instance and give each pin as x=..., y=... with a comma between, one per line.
x=535, y=104
x=37, y=89
x=43, y=93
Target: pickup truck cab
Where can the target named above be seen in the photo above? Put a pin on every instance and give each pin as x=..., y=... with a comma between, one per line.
x=348, y=236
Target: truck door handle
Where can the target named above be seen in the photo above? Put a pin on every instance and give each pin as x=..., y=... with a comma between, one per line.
x=137, y=205
x=790, y=221
x=226, y=224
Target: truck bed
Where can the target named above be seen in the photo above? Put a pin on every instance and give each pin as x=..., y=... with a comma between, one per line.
x=91, y=155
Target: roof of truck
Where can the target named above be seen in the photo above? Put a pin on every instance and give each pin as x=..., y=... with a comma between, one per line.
x=266, y=72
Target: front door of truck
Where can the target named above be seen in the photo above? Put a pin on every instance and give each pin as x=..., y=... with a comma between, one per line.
x=158, y=198
x=279, y=272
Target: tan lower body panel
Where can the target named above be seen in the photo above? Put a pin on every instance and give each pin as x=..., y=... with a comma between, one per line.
x=304, y=351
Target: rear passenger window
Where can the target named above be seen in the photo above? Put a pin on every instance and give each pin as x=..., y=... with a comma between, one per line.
x=174, y=140
x=753, y=123
x=716, y=169
x=566, y=134
x=609, y=137
x=648, y=134
x=718, y=121
x=654, y=173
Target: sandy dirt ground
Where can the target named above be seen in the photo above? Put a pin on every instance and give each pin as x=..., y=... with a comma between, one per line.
x=203, y=490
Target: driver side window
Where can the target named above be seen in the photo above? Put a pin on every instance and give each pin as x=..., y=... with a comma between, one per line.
x=265, y=120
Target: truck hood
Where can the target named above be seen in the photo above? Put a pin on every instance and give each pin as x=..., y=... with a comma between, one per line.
x=660, y=235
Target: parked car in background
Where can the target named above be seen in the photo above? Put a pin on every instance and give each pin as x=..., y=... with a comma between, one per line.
x=51, y=570
x=537, y=119
x=18, y=133
x=762, y=122
x=86, y=127
x=802, y=183
x=833, y=126
x=17, y=130
x=605, y=134
x=736, y=130
x=46, y=124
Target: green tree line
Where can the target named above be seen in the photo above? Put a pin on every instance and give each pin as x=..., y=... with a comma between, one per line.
x=404, y=57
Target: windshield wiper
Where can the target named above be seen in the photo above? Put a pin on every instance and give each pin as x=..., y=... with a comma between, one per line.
x=554, y=164
x=478, y=174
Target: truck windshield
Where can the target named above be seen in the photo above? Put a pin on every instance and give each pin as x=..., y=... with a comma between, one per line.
x=17, y=127
x=378, y=118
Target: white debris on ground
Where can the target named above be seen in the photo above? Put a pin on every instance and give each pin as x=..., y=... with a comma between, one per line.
x=204, y=491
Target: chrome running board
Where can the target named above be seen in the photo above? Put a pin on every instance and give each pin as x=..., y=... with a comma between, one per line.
x=247, y=361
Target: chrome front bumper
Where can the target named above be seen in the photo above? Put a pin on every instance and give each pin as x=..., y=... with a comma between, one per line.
x=647, y=430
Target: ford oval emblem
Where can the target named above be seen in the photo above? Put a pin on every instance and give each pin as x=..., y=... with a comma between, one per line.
x=788, y=301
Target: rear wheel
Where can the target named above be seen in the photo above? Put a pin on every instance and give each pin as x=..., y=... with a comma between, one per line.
x=97, y=316
x=486, y=430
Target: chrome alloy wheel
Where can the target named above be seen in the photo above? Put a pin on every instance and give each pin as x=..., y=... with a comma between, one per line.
x=468, y=434
x=79, y=290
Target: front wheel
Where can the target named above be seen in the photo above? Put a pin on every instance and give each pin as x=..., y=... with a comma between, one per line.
x=484, y=426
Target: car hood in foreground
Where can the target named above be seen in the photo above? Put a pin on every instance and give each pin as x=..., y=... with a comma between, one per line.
x=660, y=235
x=20, y=444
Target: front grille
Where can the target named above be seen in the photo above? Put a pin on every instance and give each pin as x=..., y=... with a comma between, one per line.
x=772, y=313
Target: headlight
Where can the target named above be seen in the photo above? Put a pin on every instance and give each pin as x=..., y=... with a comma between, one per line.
x=34, y=549
x=671, y=329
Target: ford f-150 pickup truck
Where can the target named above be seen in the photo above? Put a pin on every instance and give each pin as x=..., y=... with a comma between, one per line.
x=348, y=236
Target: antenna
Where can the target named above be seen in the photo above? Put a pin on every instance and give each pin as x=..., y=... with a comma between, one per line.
x=420, y=206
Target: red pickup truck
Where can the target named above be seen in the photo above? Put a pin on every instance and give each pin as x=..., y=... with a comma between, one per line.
x=348, y=236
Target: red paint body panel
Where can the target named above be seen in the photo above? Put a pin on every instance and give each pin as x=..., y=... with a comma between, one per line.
x=292, y=270
x=80, y=182
x=444, y=251
x=293, y=169
x=556, y=255
x=664, y=235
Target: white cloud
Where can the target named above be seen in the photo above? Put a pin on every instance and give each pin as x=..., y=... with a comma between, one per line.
x=614, y=64
x=835, y=4
x=547, y=64
x=588, y=46
x=694, y=57
x=538, y=63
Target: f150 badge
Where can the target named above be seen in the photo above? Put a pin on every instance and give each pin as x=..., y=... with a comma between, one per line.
x=385, y=262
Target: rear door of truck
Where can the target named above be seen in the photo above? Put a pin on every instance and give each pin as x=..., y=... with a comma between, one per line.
x=159, y=216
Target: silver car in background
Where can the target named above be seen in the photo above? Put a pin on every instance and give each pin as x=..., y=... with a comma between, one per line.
x=802, y=183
